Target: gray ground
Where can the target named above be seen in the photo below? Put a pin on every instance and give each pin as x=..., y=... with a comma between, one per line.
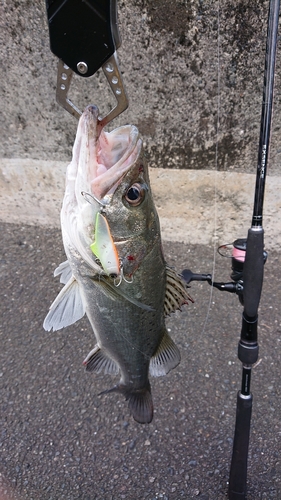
x=61, y=441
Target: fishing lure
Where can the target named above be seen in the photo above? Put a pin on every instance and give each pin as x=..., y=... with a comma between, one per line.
x=104, y=248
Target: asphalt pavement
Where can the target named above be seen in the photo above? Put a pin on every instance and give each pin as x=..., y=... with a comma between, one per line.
x=61, y=441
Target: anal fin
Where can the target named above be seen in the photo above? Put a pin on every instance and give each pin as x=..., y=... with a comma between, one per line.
x=165, y=358
x=97, y=361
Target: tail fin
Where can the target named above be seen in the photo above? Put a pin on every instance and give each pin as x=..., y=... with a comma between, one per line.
x=140, y=402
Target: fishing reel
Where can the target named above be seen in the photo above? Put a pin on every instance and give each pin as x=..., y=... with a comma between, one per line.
x=237, y=251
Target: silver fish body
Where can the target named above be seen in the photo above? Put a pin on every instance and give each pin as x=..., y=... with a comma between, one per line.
x=126, y=309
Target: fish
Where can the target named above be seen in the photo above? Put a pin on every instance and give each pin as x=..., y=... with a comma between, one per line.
x=115, y=271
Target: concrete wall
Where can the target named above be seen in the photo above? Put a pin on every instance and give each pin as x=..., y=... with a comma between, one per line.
x=176, y=57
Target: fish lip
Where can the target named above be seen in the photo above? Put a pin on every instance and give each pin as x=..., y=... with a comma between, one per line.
x=90, y=120
x=107, y=182
x=108, y=155
x=92, y=110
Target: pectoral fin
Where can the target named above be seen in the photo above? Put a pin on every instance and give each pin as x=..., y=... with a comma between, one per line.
x=65, y=271
x=115, y=293
x=66, y=309
x=166, y=357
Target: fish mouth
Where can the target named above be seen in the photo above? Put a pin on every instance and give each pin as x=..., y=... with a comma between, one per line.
x=110, y=154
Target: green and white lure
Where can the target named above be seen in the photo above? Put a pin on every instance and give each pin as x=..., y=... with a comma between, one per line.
x=104, y=248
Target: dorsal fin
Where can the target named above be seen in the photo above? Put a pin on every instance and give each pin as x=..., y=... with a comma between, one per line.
x=165, y=358
x=176, y=292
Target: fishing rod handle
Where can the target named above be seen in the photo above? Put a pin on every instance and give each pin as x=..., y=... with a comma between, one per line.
x=253, y=272
x=237, y=489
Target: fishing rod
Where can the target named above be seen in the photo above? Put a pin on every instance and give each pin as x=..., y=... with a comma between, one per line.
x=248, y=259
x=253, y=274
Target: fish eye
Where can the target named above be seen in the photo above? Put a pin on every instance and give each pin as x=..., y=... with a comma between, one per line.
x=135, y=195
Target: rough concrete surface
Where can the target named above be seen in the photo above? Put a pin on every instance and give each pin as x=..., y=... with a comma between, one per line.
x=187, y=65
x=203, y=207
